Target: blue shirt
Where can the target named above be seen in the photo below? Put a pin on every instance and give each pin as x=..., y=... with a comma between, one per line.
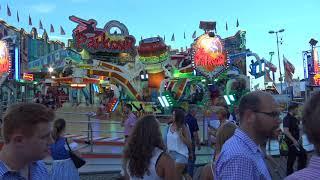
x=193, y=125
x=241, y=159
x=58, y=150
x=38, y=171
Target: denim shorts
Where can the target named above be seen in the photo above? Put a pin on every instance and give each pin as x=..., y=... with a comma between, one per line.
x=178, y=158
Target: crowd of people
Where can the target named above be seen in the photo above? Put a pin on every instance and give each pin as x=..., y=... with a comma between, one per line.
x=152, y=154
x=240, y=148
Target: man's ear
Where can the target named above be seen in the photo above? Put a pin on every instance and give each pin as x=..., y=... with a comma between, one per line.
x=17, y=139
x=249, y=116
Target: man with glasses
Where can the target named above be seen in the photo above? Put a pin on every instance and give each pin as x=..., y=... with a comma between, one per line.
x=292, y=132
x=241, y=157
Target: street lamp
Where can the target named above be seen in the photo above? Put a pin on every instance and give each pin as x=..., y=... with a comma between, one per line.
x=276, y=32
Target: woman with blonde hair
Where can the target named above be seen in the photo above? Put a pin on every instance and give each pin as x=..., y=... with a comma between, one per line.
x=224, y=132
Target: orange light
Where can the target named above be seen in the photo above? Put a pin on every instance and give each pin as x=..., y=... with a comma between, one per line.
x=78, y=85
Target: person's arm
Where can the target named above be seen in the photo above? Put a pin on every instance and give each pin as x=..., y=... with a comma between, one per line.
x=206, y=173
x=289, y=135
x=238, y=167
x=196, y=135
x=186, y=139
x=166, y=168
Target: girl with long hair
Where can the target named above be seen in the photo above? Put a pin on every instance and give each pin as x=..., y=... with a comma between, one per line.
x=63, y=167
x=144, y=153
x=223, y=134
x=178, y=141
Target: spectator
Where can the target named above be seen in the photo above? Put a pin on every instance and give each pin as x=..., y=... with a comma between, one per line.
x=27, y=136
x=311, y=124
x=293, y=139
x=221, y=115
x=178, y=141
x=194, y=129
x=241, y=157
x=51, y=101
x=223, y=134
x=144, y=154
x=129, y=122
x=38, y=98
x=63, y=167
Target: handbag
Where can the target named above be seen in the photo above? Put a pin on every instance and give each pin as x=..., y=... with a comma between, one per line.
x=284, y=149
x=78, y=161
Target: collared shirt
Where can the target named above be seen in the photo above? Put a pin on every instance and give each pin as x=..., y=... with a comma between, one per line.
x=241, y=159
x=38, y=171
x=312, y=172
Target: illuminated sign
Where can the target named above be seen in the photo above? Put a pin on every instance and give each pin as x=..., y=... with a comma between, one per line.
x=4, y=58
x=28, y=77
x=152, y=50
x=316, y=79
x=209, y=54
x=87, y=36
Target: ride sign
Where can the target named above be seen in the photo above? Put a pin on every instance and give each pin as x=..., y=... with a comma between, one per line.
x=87, y=36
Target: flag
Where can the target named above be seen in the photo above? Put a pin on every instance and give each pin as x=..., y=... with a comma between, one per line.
x=51, y=28
x=194, y=35
x=30, y=21
x=40, y=25
x=237, y=23
x=267, y=77
x=18, y=19
x=184, y=35
x=141, y=38
x=8, y=10
x=226, y=26
x=164, y=37
x=288, y=69
x=62, y=31
x=172, y=38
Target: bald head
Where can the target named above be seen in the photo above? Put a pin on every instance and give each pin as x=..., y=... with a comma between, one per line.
x=254, y=101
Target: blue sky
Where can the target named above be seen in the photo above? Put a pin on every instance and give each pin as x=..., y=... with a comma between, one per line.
x=148, y=18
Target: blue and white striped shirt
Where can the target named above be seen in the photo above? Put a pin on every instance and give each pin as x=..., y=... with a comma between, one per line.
x=38, y=171
x=241, y=159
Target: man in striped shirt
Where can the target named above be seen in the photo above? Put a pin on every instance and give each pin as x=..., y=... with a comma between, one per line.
x=27, y=136
x=241, y=157
x=311, y=124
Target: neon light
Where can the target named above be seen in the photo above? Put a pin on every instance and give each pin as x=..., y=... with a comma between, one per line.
x=227, y=100
x=154, y=59
x=161, y=101
x=78, y=85
x=16, y=63
x=4, y=58
x=317, y=80
x=115, y=106
x=87, y=36
x=209, y=53
x=28, y=77
x=165, y=101
x=231, y=98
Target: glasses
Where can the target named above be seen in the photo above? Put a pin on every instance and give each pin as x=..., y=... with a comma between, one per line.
x=274, y=115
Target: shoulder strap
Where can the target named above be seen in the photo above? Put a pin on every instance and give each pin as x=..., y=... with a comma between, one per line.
x=68, y=144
